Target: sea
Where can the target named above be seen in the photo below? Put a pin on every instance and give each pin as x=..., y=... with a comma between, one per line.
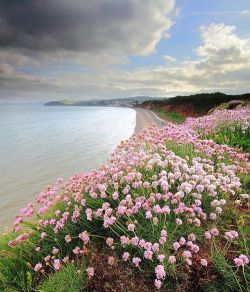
x=40, y=143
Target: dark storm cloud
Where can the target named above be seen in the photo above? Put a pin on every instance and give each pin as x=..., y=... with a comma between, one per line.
x=62, y=24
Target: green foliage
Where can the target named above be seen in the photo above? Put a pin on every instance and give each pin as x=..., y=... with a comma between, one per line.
x=232, y=135
x=226, y=280
x=69, y=279
x=170, y=115
x=201, y=102
x=16, y=273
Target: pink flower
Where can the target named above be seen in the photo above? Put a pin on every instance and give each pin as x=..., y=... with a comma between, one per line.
x=148, y=215
x=43, y=234
x=148, y=254
x=187, y=254
x=158, y=283
x=90, y=271
x=172, y=259
x=178, y=221
x=124, y=240
x=57, y=264
x=182, y=241
x=231, y=234
x=188, y=261
x=125, y=256
x=109, y=241
x=160, y=272
x=203, y=262
x=176, y=245
x=161, y=257
x=84, y=236
x=67, y=238
x=208, y=235
x=155, y=247
x=136, y=261
x=191, y=237
x=135, y=240
x=77, y=250
x=38, y=267
x=47, y=258
x=55, y=251
x=155, y=220
x=214, y=231
x=131, y=227
x=238, y=262
x=244, y=258
x=66, y=259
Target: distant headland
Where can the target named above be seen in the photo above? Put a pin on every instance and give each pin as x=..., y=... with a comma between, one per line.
x=187, y=105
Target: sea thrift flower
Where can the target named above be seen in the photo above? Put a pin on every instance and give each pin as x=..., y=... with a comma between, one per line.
x=244, y=258
x=176, y=245
x=238, y=262
x=191, y=237
x=125, y=256
x=155, y=220
x=208, y=235
x=131, y=227
x=160, y=272
x=172, y=259
x=67, y=238
x=109, y=241
x=84, y=236
x=66, y=259
x=135, y=240
x=136, y=261
x=90, y=271
x=57, y=264
x=178, y=221
x=214, y=231
x=38, y=267
x=187, y=254
x=203, y=262
x=55, y=251
x=231, y=234
x=158, y=283
x=43, y=234
x=161, y=257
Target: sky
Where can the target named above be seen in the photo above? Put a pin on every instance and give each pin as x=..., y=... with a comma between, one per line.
x=79, y=50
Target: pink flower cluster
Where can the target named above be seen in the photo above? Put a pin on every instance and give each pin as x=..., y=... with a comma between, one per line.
x=144, y=200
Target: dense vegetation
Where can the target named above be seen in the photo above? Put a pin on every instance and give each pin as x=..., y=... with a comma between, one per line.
x=170, y=210
x=200, y=103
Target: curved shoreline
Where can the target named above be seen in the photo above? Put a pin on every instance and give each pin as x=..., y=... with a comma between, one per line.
x=146, y=118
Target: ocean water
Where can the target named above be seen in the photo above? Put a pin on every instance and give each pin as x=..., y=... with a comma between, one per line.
x=39, y=144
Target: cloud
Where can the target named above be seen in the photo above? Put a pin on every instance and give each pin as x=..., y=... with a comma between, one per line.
x=168, y=58
x=222, y=63
x=245, y=12
x=90, y=27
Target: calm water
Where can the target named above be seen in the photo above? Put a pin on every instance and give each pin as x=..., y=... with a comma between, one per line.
x=39, y=144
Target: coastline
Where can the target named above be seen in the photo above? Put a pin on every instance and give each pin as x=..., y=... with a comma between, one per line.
x=146, y=118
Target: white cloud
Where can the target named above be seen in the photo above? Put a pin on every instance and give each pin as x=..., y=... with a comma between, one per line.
x=169, y=58
x=222, y=64
x=245, y=12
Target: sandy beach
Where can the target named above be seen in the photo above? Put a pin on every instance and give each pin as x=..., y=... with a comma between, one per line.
x=146, y=118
